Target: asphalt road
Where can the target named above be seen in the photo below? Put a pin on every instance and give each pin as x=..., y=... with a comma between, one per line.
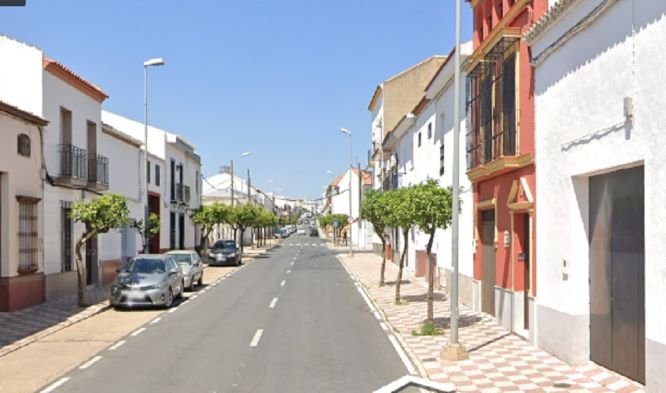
x=270, y=327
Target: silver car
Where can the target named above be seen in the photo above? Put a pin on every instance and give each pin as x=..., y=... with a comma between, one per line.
x=148, y=280
x=191, y=265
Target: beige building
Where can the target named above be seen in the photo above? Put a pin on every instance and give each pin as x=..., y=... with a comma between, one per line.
x=21, y=214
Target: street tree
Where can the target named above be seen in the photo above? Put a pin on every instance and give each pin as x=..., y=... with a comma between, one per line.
x=153, y=228
x=376, y=211
x=207, y=217
x=399, y=204
x=242, y=217
x=432, y=211
x=99, y=215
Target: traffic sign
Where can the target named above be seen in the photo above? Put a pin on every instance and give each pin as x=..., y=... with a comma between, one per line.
x=336, y=224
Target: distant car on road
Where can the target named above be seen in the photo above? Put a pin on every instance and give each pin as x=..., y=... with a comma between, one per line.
x=148, y=280
x=314, y=232
x=191, y=265
x=301, y=231
x=224, y=252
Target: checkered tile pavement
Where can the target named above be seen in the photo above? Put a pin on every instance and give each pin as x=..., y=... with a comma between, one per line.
x=20, y=324
x=499, y=361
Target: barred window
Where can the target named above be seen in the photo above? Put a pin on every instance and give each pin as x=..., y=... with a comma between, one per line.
x=28, y=235
x=157, y=175
x=23, y=145
x=441, y=159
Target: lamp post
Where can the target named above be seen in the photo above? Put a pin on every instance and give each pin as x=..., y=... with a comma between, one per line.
x=348, y=133
x=154, y=62
x=245, y=155
x=454, y=350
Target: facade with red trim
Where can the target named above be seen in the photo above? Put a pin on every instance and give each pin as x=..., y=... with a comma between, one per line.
x=500, y=160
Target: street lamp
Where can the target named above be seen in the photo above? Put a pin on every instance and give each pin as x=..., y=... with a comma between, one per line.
x=454, y=350
x=154, y=62
x=245, y=155
x=348, y=133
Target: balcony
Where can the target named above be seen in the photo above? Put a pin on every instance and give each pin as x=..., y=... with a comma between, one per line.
x=183, y=193
x=73, y=167
x=98, y=173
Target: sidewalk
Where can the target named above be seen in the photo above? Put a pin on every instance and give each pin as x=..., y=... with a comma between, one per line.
x=499, y=361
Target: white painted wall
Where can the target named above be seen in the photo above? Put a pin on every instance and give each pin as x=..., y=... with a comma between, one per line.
x=19, y=175
x=21, y=75
x=57, y=94
x=124, y=161
x=581, y=131
x=417, y=164
x=340, y=204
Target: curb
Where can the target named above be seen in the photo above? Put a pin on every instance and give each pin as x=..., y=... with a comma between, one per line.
x=405, y=347
x=78, y=317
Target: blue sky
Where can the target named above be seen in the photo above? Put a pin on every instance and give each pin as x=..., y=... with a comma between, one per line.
x=277, y=78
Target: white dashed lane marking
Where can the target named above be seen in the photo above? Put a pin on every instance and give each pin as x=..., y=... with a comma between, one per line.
x=273, y=302
x=89, y=362
x=55, y=385
x=256, y=338
x=139, y=331
x=117, y=345
x=283, y=282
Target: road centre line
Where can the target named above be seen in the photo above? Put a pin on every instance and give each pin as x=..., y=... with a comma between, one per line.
x=89, y=363
x=117, y=345
x=283, y=282
x=139, y=331
x=273, y=302
x=256, y=338
x=288, y=271
x=55, y=385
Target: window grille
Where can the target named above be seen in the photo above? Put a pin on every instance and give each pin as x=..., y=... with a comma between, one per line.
x=23, y=142
x=28, y=235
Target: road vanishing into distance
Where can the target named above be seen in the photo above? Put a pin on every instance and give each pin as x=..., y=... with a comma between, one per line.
x=290, y=321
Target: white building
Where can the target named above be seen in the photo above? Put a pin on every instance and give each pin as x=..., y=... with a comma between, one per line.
x=218, y=188
x=421, y=148
x=78, y=158
x=21, y=205
x=600, y=154
x=174, y=184
x=360, y=232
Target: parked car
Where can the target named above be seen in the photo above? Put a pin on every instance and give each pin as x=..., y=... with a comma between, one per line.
x=314, y=232
x=148, y=280
x=224, y=252
x=301, y=231
x=191, y=265
x=280, y=233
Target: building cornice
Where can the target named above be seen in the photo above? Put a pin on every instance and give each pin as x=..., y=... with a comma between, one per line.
x=499, y=166
x=547, y=20
x=21, y=114
x=73, y=79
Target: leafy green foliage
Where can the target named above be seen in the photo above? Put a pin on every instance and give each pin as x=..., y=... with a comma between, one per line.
x=432, y=206
x=400, y=204
x=101, y=214
x=376, y=210
x=153, y=225
x=207, y=216
x=428, y=329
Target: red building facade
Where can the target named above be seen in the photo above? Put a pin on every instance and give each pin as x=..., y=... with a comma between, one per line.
x=500, y=159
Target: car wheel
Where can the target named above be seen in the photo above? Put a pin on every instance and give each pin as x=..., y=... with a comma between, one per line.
x=200, y=282
x=169, y=299
x=192, y=285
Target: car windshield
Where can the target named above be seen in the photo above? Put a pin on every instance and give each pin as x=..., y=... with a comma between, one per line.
x=225, y=244
x=182, y=259
x=146, y=266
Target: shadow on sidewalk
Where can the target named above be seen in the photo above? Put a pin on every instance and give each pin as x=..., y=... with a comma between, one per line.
x=463, y=321
x=402, y=282
x=437, y=296
x=20, y=324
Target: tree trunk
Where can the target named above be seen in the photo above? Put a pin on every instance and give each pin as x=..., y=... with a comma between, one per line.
x=402, y=264
x=383, y=270
x=242, y=232
x=431, y=279
x=81, y=270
